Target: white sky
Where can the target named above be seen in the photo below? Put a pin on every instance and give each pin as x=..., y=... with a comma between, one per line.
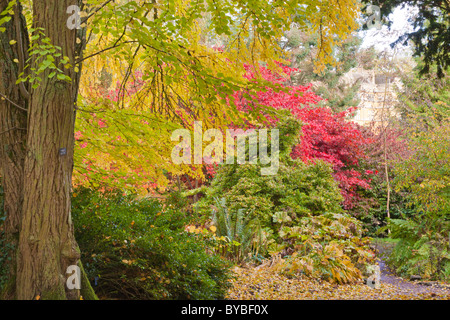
x=382, y=38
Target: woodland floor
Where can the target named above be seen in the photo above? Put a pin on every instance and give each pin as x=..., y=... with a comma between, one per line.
x=262, y=284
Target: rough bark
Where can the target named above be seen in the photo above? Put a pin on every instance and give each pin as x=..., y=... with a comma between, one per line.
x=35, y=124
x=46, y=244
x=13, y=123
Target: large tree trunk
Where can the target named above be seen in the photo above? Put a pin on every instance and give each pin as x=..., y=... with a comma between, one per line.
x=46, y=244
x=13, y=123
x=36, y=158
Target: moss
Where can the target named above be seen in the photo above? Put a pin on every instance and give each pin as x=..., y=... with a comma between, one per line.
x=87, y=292
x=7, y=292
x=56, y=294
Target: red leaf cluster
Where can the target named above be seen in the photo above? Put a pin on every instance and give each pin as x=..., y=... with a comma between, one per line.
x=325, y=135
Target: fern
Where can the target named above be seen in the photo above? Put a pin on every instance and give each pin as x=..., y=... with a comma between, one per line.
x=423, y=248
x=402, y=229
x=235, y=227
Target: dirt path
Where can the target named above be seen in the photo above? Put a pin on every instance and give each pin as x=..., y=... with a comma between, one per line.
x=405, y=286
x=263, y=284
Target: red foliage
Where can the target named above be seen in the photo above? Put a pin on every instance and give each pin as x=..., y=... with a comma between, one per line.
x=325, y=135
x=332, y=138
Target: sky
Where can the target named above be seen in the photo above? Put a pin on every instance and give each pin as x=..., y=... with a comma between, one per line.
x=382, y=38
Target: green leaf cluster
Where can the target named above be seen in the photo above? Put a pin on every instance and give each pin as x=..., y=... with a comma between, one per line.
x=135, y=249
x=423, y=246
x=329, y=247
x=298, y=189
x=43, y=56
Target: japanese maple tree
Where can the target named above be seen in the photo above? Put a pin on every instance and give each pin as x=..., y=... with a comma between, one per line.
x=325, y=135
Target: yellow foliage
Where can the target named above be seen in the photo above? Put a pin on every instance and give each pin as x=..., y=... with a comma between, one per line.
x=185, y=78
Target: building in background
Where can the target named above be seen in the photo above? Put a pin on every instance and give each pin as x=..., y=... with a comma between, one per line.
x=377, y=95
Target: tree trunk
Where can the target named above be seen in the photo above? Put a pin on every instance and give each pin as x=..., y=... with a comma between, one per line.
x=13, y=123
x=385, y=124
x=36, y=157
x=47, y=246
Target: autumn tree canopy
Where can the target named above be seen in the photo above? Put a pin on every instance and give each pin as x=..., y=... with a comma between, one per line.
x=53, y=54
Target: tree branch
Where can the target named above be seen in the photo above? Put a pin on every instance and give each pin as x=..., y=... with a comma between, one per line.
x=12, y=129
x=97, y=10
x=106, y=49
x=13, y=103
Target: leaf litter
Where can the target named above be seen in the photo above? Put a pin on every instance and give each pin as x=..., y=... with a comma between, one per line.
x=252, y=283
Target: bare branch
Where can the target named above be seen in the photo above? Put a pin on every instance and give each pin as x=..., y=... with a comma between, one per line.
x=106, y=49
x=13, y=103
x=97, y=10
x=17, y=128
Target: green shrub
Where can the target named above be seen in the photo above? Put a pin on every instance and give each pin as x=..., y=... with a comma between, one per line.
x=294, y=214
x=135, y=250
x=297, y=189
x=423, y=247
x=328, y=246
x=372, y=208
